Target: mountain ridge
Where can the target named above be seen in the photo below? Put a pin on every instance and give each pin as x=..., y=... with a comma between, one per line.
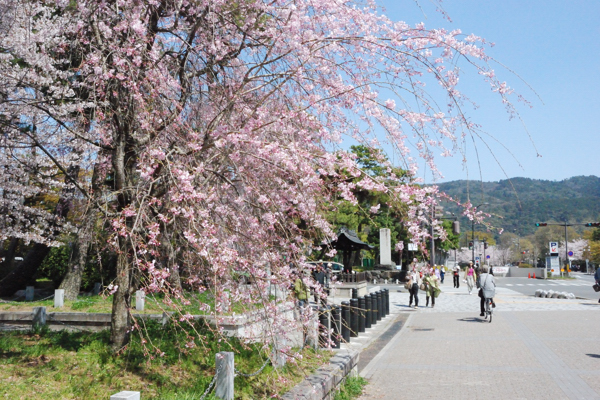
x=516, y=204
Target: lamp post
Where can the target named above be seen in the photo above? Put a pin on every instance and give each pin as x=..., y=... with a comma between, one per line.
x=473, y=232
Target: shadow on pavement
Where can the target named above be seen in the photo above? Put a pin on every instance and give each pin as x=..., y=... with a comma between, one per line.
x=593, y=355
x=471, y=319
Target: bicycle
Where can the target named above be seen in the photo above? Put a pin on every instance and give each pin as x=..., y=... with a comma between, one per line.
x=488, y=308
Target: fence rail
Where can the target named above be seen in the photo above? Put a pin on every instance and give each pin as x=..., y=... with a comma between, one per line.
x=352, y=278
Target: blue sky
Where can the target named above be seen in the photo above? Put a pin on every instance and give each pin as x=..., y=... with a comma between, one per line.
x=554, y=47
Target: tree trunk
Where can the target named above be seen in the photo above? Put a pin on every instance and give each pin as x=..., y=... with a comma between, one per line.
x=71, y=283
x=121, y=317
x=169, y=261
x=19, y=277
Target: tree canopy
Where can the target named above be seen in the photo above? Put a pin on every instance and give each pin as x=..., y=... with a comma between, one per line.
x=209, y=127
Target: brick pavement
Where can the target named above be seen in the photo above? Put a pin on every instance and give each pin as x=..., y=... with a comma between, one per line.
x=534, y=349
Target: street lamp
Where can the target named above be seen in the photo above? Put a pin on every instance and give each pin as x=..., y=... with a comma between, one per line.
x=473, y=232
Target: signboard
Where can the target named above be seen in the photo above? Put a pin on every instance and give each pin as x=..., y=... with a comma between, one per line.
x=488, y=256
x=553, y=249
x=412, y=247
x=570, y=254
x=500, y=270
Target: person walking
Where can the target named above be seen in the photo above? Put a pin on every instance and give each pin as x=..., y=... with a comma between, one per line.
x=597, y=278
x=470, y=277
x=301, y=292
x=415, y=281
x=442, y=273
x=432, y=288
x=456, y=273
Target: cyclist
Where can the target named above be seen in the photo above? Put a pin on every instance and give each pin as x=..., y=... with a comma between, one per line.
x=487, y=289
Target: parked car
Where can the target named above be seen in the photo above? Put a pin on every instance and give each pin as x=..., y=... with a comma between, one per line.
x=332, y=266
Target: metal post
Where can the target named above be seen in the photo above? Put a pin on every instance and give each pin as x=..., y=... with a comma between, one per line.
x=225, y=374
x=386, y=302
x=346, y=321
x=566, y=250
x=354, y=317
x=374, y=309
x=361, y=314
x=379, y=305
x=355, y=293
x=432, y=256
x=336, y=317
x=324, y=327
x=368, y=306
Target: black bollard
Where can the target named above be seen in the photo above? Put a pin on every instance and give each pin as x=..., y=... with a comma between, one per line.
x=368, y=312
x=387, y=301
x=384, y=302
x=336, y=322
x=361, y=314
x=379, y=305
x=374, y=309
x=346, y=321
x=354, y=317
x=355, y=293
x=323, y=327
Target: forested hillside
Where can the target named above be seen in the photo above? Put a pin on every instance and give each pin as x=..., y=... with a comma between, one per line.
x=519, y=203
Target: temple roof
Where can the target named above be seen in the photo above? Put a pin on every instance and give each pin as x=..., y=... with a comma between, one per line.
x=348, y=240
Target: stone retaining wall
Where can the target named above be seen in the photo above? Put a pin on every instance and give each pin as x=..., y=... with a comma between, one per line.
x=323, y=384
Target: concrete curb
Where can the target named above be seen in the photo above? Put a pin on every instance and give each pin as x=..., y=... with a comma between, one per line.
x=322, y=384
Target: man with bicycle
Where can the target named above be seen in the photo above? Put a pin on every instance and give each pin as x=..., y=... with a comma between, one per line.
x=487, y=289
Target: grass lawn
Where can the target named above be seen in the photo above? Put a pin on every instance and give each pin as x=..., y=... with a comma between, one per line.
x=103, y=304
x=79, y=365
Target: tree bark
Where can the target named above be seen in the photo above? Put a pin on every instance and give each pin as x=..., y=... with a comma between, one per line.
x=71, y=283
x=121, y=317
x=169, y=261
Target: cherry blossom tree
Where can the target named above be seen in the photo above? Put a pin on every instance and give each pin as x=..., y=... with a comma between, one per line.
x=217, y=129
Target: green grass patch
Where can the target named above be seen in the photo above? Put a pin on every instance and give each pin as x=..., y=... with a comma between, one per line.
x=172, y=364
x=154, y=304
x=351, y=389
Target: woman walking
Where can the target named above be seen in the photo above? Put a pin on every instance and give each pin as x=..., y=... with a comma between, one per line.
x=432, y=288
x=415, y=281
x=470, y=277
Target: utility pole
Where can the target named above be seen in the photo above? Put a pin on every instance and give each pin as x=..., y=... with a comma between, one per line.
x=473, y=232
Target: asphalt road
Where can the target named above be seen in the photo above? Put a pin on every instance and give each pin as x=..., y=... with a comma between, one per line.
x=580, y=285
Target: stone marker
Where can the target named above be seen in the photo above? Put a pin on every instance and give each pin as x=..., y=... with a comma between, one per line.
x=39, y=317
x=29, y=293
x=126, y=395
x=97, y=288
x=59, y=298
x=279, y=356
x=225, y=374
x=385, y=247
x=139, y=300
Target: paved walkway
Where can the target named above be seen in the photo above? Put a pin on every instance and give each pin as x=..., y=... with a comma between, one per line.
x=534, y=349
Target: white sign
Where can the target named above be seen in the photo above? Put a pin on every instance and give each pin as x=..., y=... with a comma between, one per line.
x=412, y=247
x=553, y=247
x=500, y=270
